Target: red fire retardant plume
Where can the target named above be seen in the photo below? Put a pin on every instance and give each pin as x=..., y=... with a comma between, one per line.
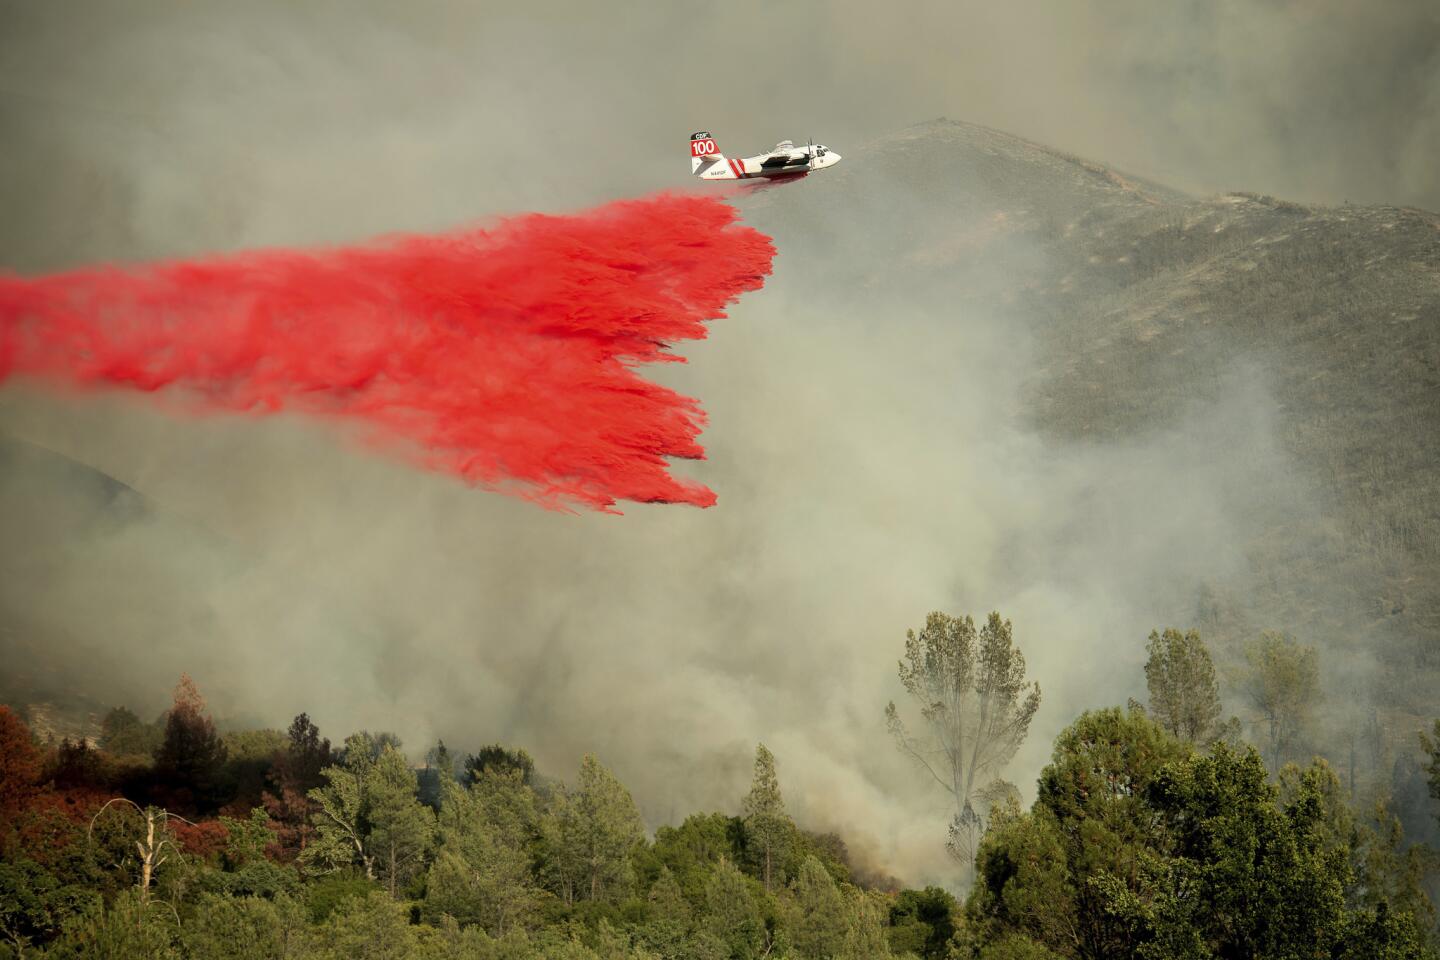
x=505, y=356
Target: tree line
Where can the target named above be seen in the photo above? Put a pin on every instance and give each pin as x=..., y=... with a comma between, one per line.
x=198, y=849
x=1157, y=831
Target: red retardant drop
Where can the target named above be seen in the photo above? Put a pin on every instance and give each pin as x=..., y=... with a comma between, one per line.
x=505, y=356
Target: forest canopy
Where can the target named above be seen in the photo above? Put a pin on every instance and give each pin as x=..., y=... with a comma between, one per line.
x=1155, y=832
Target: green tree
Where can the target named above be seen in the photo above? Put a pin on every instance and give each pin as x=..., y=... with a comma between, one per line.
x=130, y=929
x=440, y=759
x=439, y=767
x=767, y=828
x=818, y=926
x=498, y=758
x=191, y=755
x=35, y=905
x=1184, y=694
x=691, y=850
x=123, y=733
x=667, y=900
x=1380, y=935
x=922, y=922
x=482, y=873
x=976, y=706
x=1431, y=746
x=247, y=839
x=368, y=815
x=731, y=915
x=599, y=828
x=1242, y=875
x=254, y=746
x=1015, y=946
x=1282, y=683
x=372, y=927
x=1390, y=874
x=402, y=829
x=245, y=928
x=828, y=847
x=1138, y=847
x=341, y=814
x=1034, y=870
x=308, y=752
x=865, y=916
x=558, y=944
x=327, y=892
x=250, y=756
x=149, y=840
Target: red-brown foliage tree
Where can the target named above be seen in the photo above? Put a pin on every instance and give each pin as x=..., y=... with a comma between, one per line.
x=295, y=772
x=205, y=839
x=20, y=765
x=35, y=818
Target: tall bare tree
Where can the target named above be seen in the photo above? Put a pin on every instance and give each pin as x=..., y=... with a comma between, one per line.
x=976, y=706
x=154, y=845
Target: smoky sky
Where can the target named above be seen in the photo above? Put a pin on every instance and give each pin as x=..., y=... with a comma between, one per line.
x=871, y=465
x=134, y=129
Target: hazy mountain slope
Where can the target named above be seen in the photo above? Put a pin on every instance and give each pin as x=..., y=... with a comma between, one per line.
x=984, y=374
x=1338, y=313
x=1138, y=304
x=82, y=548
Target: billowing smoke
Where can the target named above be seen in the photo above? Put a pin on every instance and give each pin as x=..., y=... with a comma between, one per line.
x=504, y=356
x=871, y=437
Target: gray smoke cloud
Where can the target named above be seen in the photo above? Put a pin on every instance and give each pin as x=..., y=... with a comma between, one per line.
x=139, y=128
x=872, y=464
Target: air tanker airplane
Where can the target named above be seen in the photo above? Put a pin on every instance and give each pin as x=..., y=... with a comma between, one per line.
x=786, y=160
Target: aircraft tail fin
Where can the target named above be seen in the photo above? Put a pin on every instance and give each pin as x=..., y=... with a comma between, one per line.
x=705, y=154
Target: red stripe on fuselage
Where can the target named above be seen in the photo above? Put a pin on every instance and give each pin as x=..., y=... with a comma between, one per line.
x=737, y=169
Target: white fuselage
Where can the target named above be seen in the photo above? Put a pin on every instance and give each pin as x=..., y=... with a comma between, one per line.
x=785, y=160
